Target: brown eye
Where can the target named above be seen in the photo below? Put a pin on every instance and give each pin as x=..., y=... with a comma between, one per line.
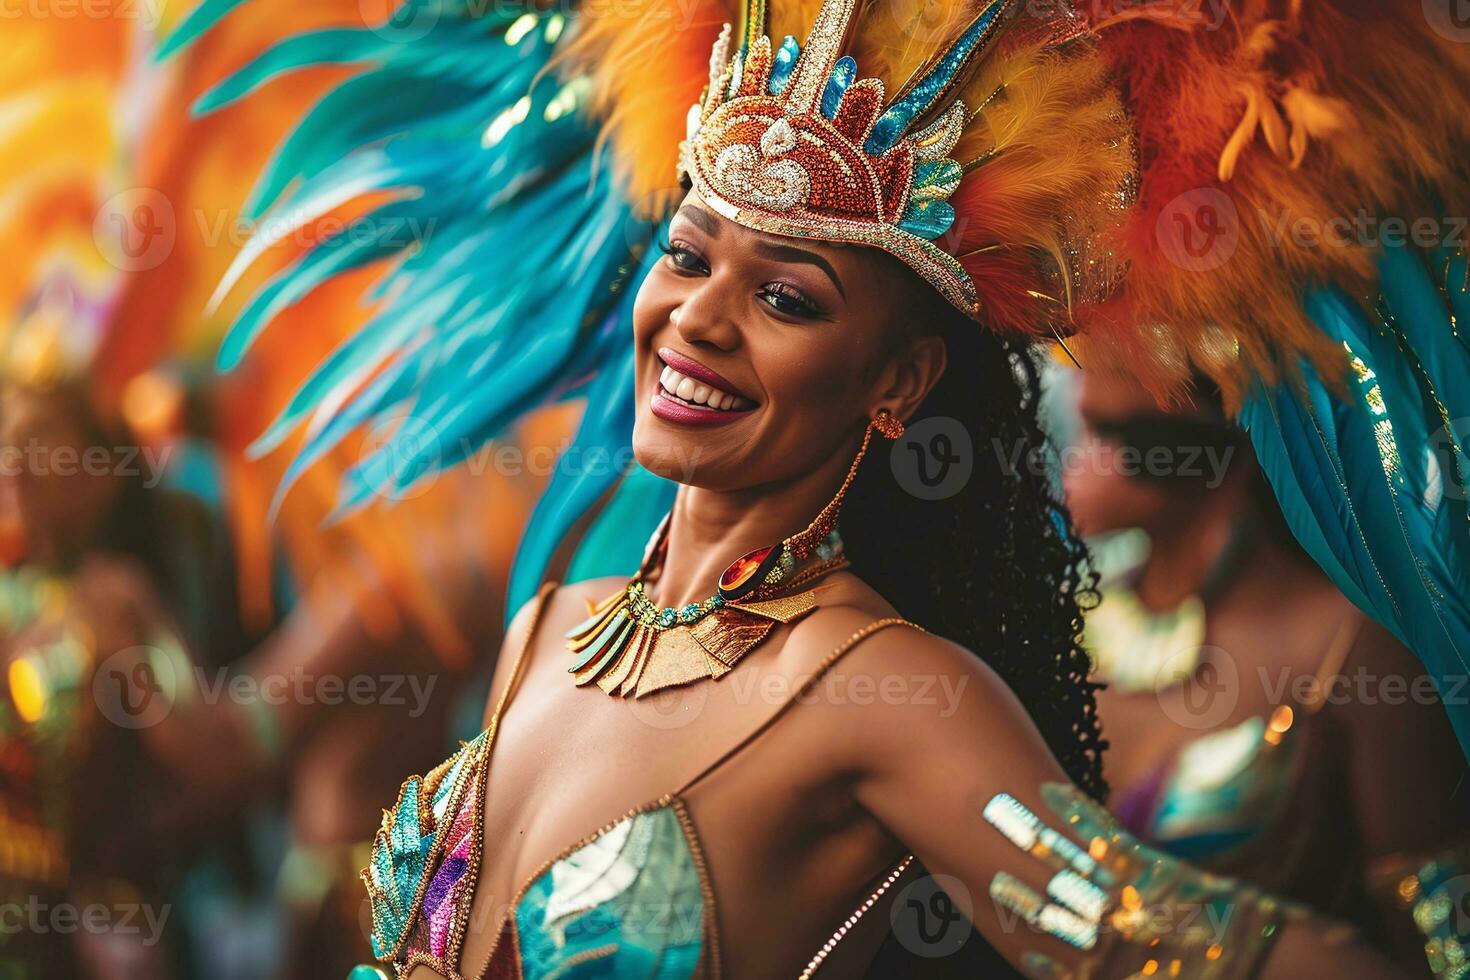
x=788, y=300
x=683, y=258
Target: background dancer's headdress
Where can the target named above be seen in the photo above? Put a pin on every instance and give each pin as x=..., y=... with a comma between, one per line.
x=1086, y=159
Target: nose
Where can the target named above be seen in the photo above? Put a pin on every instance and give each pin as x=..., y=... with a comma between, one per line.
x=704, y=318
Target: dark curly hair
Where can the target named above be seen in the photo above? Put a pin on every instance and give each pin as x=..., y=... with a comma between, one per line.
x=996, y=567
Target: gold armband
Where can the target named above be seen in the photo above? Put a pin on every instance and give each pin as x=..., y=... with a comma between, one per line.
x=1434, y=892
x=1136, y=910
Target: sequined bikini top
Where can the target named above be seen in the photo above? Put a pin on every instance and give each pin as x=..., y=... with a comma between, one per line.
x=631, y=899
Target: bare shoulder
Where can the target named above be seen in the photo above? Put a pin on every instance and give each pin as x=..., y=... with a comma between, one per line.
x=563, y=604
x=900, y=655
x=560, y=607
x=901, y=694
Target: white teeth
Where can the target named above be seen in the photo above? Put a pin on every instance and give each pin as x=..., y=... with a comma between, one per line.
x=698, y=393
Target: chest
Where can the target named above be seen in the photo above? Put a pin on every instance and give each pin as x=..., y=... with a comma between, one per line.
x=568, y=761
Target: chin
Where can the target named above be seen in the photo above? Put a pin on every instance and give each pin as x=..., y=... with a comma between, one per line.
x=671, y=451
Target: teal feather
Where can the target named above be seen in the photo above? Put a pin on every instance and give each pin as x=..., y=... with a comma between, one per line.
x=196, y=24
x=1454, y=278
x=632, y=514
x=394, y=386
x=1422, y=313
x=484, y=322
x=573, y=491
x=934, y=83
x=334, y=46
x=372, y=239
x=357, y=175
x=1369, y=484
x=396, y=107
x=1276, y=421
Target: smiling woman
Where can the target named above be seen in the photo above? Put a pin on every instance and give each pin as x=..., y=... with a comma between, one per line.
x=795, y=311
x=723, y=764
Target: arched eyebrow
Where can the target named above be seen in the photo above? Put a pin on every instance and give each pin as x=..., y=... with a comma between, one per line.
x=706, y=222
x=701, y=219
x=789, y=253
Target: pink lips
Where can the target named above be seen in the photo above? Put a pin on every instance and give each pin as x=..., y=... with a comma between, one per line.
x=697, y=371
x=671, y=410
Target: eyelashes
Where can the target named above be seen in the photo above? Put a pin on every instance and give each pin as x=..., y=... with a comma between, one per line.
x=684, y=258
x=785, y=298
x=781, y=297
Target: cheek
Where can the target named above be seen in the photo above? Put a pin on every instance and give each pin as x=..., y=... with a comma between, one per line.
x=819, y=367
x=651, y=307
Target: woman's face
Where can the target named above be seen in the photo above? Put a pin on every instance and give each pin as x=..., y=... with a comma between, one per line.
x=759, y=357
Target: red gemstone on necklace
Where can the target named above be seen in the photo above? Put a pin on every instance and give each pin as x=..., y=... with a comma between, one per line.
x=742, y=569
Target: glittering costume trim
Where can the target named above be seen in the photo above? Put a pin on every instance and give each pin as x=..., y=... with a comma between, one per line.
x=1104, y=896
x=791, y=142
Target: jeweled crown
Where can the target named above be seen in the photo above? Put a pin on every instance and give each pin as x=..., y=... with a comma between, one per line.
x=790, y=141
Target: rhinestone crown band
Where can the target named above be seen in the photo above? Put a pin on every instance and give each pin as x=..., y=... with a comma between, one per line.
x=789, y=141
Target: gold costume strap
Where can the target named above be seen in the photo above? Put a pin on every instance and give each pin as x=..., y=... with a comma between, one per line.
x=894, y=873
x=1344, y=638
x=801, y=692
x=538, y=606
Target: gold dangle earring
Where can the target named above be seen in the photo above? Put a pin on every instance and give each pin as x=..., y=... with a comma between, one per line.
x=886, y=425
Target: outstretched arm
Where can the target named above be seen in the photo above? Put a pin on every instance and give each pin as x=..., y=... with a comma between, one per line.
x=1046, y=875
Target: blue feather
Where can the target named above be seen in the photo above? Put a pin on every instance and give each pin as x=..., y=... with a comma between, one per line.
x=199, y=22
x=1360, y=479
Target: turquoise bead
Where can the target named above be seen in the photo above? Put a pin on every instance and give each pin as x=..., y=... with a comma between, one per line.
x=364, y=972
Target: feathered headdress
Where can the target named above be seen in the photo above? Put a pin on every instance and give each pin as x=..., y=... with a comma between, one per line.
x=1103, y=179
x=984, y=146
